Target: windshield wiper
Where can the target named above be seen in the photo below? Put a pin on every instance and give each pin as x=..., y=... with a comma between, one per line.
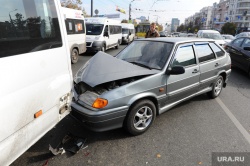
x=142, y=65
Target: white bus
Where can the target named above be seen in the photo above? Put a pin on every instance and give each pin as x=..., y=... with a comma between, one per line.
x=74, y=21
x=128, y=32
x=102, y=34
x=35, y=72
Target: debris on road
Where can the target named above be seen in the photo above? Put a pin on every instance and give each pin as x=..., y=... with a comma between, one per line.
x=158, y=156
x=46, y=163
x=200, y=163
x=69, y=143
x=56, y=151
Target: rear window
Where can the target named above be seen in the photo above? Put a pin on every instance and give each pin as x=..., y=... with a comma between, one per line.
x=217, y=50
x=27, y=26
x=204, y=52
x=185, y=56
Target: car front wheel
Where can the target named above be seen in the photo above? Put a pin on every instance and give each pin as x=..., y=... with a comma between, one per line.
x=217, y=88
x=140, y=117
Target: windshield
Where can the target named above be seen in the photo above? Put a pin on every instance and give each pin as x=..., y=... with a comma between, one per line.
x=215, y=36
x=94, y=29
x=124, y=31
x=149, y=54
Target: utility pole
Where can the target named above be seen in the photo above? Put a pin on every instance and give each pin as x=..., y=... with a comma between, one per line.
x=91, y=8
x=130, y=12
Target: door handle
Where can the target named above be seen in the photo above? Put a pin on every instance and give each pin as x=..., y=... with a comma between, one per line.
x=217, y=64
x=195, y=71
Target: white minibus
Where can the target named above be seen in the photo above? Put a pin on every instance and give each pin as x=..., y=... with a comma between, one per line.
x=211, y=34
x=102, y=34
x=128, y=32
x=75, y=25
x=35, y=72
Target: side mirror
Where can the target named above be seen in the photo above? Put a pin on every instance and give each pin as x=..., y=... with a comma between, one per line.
x=106, y=34
x=247, y=48
x=176, y=70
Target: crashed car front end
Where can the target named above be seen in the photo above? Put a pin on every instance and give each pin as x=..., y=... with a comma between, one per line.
x=101, y=94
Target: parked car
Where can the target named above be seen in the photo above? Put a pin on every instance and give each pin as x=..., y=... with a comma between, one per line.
x=239, y=50
x=153, y=76
x=243, y=34
x=228, y=38
x=162, y=34
x=211, y=34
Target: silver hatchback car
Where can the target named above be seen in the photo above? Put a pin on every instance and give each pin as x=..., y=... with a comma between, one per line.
x=145, y=79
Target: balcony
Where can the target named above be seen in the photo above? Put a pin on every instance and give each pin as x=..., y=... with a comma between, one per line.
x=243, y=1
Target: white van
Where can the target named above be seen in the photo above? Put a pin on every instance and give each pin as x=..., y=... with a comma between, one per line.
x=128, y=32
x=35, y=71
x=102, y=34
x=211, y=34
x=75, y=25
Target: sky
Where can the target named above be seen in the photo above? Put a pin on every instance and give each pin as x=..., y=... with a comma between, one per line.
x=165, y=9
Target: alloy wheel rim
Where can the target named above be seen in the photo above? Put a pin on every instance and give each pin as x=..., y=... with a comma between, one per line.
x=218, y=87
x=143, y=118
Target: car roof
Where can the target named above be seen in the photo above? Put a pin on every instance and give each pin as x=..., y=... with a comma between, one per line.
x=176, y=40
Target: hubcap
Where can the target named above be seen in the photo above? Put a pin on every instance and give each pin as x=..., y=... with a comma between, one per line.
x=218, y=87
x=74, y=55
x=143, y=118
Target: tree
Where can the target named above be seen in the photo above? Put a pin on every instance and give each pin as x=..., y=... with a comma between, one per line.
x=181, y=28
x=228, y=28
x=73, y=4
x=124, y=21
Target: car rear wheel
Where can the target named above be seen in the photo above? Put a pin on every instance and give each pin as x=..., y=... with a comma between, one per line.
x=103, y=48
x=74, y=56
x=217, y=88
x=140, y=117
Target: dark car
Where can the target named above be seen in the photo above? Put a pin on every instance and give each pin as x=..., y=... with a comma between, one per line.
x=239, y=50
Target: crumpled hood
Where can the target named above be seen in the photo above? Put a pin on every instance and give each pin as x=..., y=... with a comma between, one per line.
x=103, y=68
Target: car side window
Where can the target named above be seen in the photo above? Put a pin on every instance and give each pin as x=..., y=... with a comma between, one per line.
x=204, y=52
x=185, y=56
x=246, y=43
x=238, y=42
x=217, y=50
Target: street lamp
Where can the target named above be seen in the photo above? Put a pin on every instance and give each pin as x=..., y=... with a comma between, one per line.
x=130, y=9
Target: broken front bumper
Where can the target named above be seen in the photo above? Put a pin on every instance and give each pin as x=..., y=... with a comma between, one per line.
x=99, y=120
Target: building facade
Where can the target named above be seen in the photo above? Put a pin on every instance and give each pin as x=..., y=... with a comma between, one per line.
x=174, y=24
x=214, y=17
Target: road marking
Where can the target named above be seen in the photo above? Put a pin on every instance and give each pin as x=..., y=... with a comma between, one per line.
x=234, y=120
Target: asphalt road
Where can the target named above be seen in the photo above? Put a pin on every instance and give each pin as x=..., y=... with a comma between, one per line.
x=184, y=136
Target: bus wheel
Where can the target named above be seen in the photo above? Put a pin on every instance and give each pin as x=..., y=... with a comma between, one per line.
x=103, y=48
x=117, y=46
x=74, y=56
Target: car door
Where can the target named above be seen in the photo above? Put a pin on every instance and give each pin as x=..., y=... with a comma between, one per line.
x=183, y=85
x=244, y=58
x=209, y=64
x=234, y=51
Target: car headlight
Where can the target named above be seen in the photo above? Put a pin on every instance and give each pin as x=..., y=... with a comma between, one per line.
x=92, y=99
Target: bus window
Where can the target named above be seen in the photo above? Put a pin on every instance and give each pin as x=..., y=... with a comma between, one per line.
x=25, y=26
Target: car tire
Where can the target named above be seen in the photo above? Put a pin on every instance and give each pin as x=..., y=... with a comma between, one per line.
x=217, y=88
x=103, y=49
x=117, y=46
x=74, y=56
x=140, y=117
